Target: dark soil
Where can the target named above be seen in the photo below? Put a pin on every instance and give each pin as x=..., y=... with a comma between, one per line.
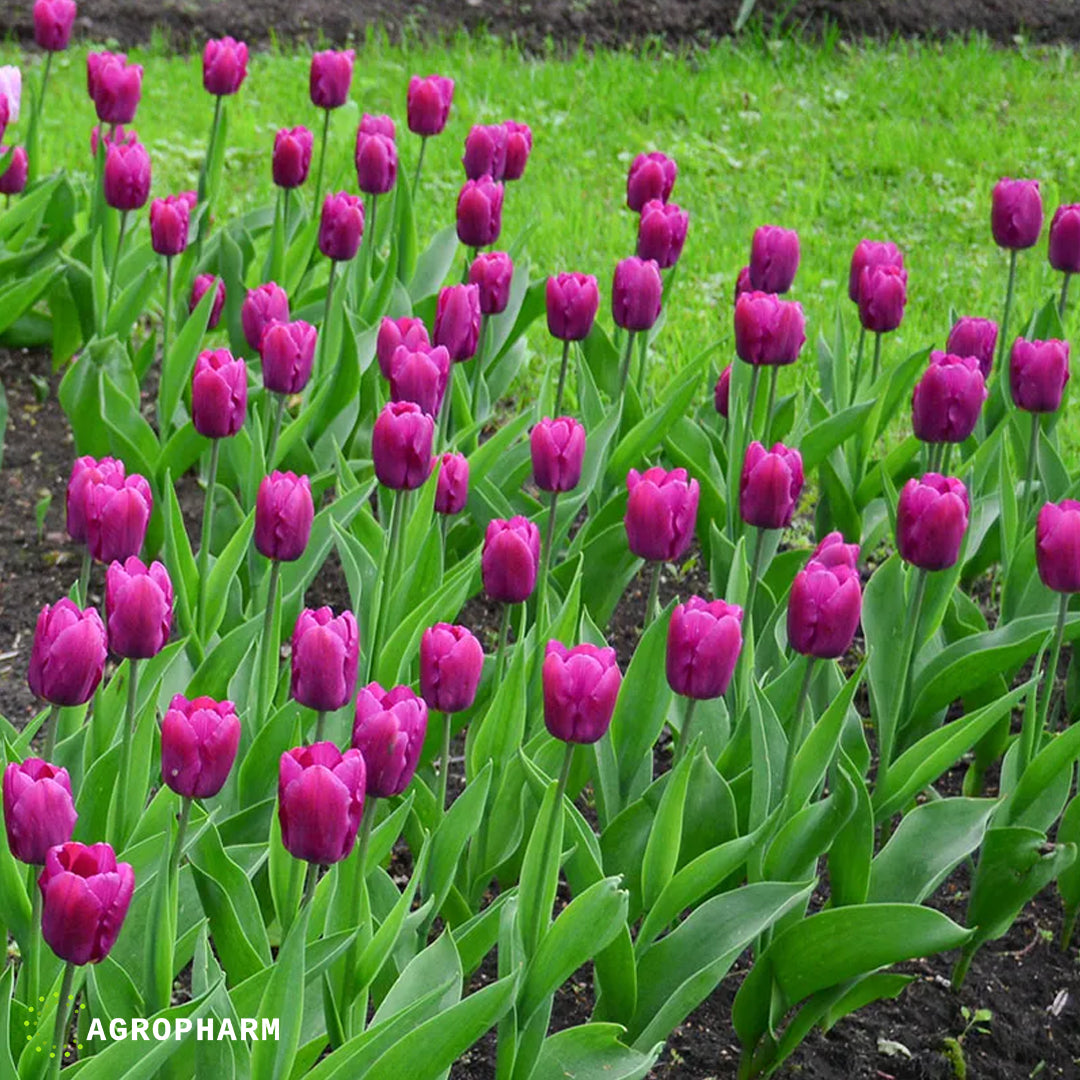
x=542, y=24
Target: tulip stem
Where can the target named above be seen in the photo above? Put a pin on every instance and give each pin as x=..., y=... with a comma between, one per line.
x=385, y=585
x=1033, y=453
x=500, y=654
x=120, y=835
x=63, y=1014
x=41, y=99
x=204, y=172
x=643, y=360
x=1064, y=298
x=51, y=724
x=166, y=326
x=276, y=432
x=33, y=953
x=684, y=731
x=115, y=268
x=324, y=330
x=652, y=606
x=367, y=820
x=562, y=378
x=419, y=167
x=755, y=570
x=309, y=885
x=875, y=371
x=1031, y=732
x=181, y=832
x=447, y=408
x=322, y=162
x=84, y=576
x=772, y=401
x=1003, y=336
x=479, y=367
x=444, y=763
x=795, y=736
x=320, y=723
x=268, y=669
x=204, y=541
x=946, y=454
x=857, y=376
x=549, y=540
x=549, y=836
x=751, y=404
x=369, y=247
x=625, y=371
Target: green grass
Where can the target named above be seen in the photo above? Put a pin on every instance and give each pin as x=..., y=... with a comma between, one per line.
x=901, y=141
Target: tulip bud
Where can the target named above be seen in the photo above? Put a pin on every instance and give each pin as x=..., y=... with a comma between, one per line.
x=1038, y=372
x=95, y=62
x=722, y=393
x=867, y=255
x=510, y=559
x=651, y=176
x=770, y=485
x=931, y=519
x=376, y=162
x=169, y=221
x=127, y=176
x=224, y=66
x=389, y=731
x=518, y=149
x=832, y=551
x=53, y=20
x=262, y=306
x=479, y=212
x=68, y=656
x=420, y=377
x=974, y=337
x=451, y=662
x=199, y=739
x=85, y=896
x=485, y=151
x=341, y=226
x=218, y=394
x=85, y=473
x=331, y=77
x=824, y=609
x=39, y=812
x=115, y=512
x=662, y=233
x=1016, y=213
x=119, y=134
x=947, y=400
x=1064, y=250
x=452, y=486
x=774, y=258
x=882, y=296
x=320, y=801
x=401, y=445
x=199, y=287
x=572, y=301
x=491, y=272
x=377, y=125
x=428, y=103
x=16, y=166
x=558, y=450
x=636, y=294
x=457, y=320
x=768, y=330
x=138, y=607
x=11, y=90
x=287, y=352
x=661, y=513
x=116, y=88
x=742, y=284
x=284, y=512
x=325, y=651
x=581, y=686
x=703, y=646
x=393, y=333
x=1057, y=546
x=292, y=156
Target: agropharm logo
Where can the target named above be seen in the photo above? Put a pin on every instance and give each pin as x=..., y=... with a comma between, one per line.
x=162, y=1030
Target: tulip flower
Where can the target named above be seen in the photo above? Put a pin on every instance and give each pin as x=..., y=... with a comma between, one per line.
x=116, y=511
x=974, y=337
x=341, y=226
x=868, y=255
x=509, y=564
x=742, y=284
x=284, y=512
x=491, y=272
x=401, y=445
x=931, y=520
x=376, y=162
x=428, y=106
x=774, y=258
x=581, y=685
x=53, y=20
x=572, y=300
x=1064, y=247
x=770, y=485
x=651, y=176
x=947, y=400
x=218, y=394
x=824, y=608
x=722, y=392
x=16, y=170
x=287, y=352
x=518, y=149
x=199, y=288
x=479, y=212
x=5, y=116
x=1016, y=217
x=662, y=233
x=330, y=78
x=636, y=295
x=389, y=732
x=115, y=86
x=452, y=489
x=199, y=739
x=127, y=176
x=263, y=306
x=485, y=151
x=325, y=653
x=457, y=328
x=170, y=219
x=420, y=377
x=292, y=157
x=882, y=296
x=393, y=333
x=39, y=810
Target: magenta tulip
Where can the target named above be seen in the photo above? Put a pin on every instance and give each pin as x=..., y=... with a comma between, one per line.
x=452, y=486
x=284, y=512
x=401, y=445
x=457, y=320
x=770, y=485
x=974, y=337
x=662, y=233
x=292, y=156
x=389, y=732
x=127, y=176
x=931, y=519
x=420, y=377
x=479, y=212
x=341, y=226
x=262, y=306
x=636, y=294
x=39, y=810
x=393, y=333
x=218, y=394
x=572, y=300
x=651, y=176
x=485, y=151
x=1038, y=374
x=558, y=451
x=1057, y=546
x=199, y=288
x=947, y=400
x=330, y=78
x=428, y=103
x=774, y=258
x=224, y=66
x=325, y=652
x=661, y=513
x=376, y=160
x=115, y=86
x=169, y=221
x=451, y=662
x=867, y=255
x=518, y=148
x=1064, y=249
x=722, y=393
x=288, y=352
x=1016, y=213
x=703, y=645
x=510, y=559
x=68, y=656
x=138, y=608
x=53, y=20
x=492, y=272
x=320, y=801
x=581, y=686
x=882, y=297
x=199, y=739
x=824, y=608
x=768, y=331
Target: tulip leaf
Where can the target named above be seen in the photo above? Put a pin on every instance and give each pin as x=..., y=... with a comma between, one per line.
x=434, y=264
x=662, y=850
x=540, y=871
x=185, y=574
x=1068, y=880
x=852, y=849
x=1053, y=764
x=177, y=367
x=222, y=573
x=7, y=982
x=593, y=1051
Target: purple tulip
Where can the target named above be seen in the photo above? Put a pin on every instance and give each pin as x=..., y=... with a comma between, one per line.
x=882, y=296
x=636, y=294
x=1016, y=213
x=68, y=656
x=931, y=519
x=292, y=156
x=224, y=66
x=451, y=662
x=581, y=686
x=770, y=485
x=420, y=377
x=428, y=103
x=703, y=646
x=115, y=86
x=452, y=486
x=824, y=608
x=287, y=352
x=39, y=811
x=974, y=337
x=510, y=559
x=401, y=445
x=127, y=176
x=518, y=148
x=867, y=255
x=16, y=166
x=833, y=551
x=742, y=284
x=558, y=451
x=1038, y=372
x=331, y=77
x=662, y=233
x=5, y=115
x=479, y=212
x=284, y=511
x=377, y=125
x=491, y=272
x=138, y=608
x=53, y=20
x=169, y=221
x=325, y=651
x=774, y=258
x=199, y=739
x=947, y=400
x=651, y=176
x=485, y=151
x=722, y=393
x=262, y=306
x=341, y=226
x=85, y=894
x=768, y=330
x=457, y=320
x=376, y=161
x=661, y=513
x=389, y=732
x=85, y=472
x=393, y=333
x=95, y=62
x=572, y=301
x=1064, y=250
x=320, y=801
x=1057, y=546
x=201, y=285
x=218, y=394
x=115, y=510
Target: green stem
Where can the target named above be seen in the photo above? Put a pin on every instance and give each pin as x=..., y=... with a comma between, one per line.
x=115, y=267
x=322, y=163
x=268, y=669
x=796, y=736
x=1003, y=336
x=369, y=247
x=962, y=965
x=44, y=85
x=84, y=576
x=320, y=723
x=560, y=792
x=1029, y=476
x=389, y=569
x=63, y=1015
x=181, y=832
x=207, y=532
x=125, y=754
x=478, y=367
x=285, y=193
x=275, y=434
x=33, y=957
x=946, y=454
x=625, y=370
x=755, y=569
x=309, y=884
x=875, y=371
x=166, y=326
x=204, y=172
x=444, y=764
x=51, y=724
x=444, y=413
x=772, y=401
x=562, y=378
x=684, y=731
x=419, y=166
x=1032, y=731
x=324, y=330
x=857, y=376
x=545, y=562
x=642, y=365
x=751, y=404
x=652, y=605
x=500, y=654
x=367, y=820
x=1064, y=298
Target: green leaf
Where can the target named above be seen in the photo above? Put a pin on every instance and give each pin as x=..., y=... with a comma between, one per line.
x=592, y=1052
x=223, y=572
x=662, y=850
x=434, y=264
x=540, y=871
x=816, y=445
x=180, y=363
x=283, y=1000
x=1055, y=759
